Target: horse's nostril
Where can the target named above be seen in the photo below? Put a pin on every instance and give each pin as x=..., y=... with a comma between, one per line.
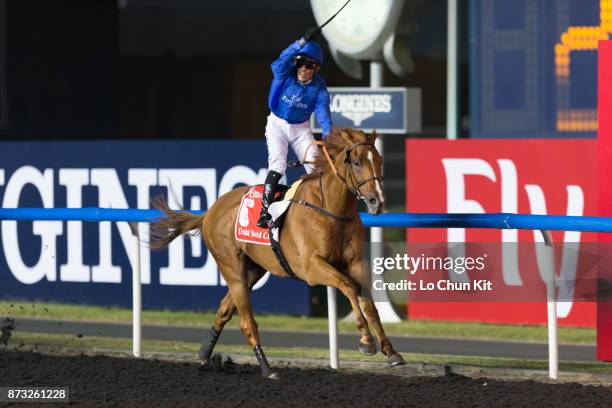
x=373, y=201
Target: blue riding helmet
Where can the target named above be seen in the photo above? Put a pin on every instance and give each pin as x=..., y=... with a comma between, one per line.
x=312, y=50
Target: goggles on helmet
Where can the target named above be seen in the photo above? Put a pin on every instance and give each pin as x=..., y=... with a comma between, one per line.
x=302, y=60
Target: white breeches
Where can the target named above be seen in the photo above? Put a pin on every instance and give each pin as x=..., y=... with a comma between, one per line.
x=279, y=134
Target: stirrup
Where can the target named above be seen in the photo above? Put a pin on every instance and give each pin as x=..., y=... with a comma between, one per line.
x=264, y=220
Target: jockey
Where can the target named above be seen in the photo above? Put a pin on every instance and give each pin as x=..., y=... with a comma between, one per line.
x=296, y=92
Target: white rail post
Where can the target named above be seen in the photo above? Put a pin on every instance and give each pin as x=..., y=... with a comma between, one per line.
x=332, y=320
x=551, y=306
x=136, y=293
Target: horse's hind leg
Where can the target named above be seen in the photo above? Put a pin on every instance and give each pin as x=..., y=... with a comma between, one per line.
x=249, y=327
x=235, y=271
x=224, y=314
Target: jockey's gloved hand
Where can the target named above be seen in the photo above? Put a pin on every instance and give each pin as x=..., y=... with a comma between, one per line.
x=310, y=35
x=319, y=137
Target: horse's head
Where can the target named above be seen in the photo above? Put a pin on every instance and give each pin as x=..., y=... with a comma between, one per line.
x=363, y=166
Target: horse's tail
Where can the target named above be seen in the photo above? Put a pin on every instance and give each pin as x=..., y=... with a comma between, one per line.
x=173, y=225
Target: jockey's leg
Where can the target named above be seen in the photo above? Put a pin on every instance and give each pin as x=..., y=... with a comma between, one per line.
x=304, y=148
x=278, y=145
x=277, y=164
x=268, y=197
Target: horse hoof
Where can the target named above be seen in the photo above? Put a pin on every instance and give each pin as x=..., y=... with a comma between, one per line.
x=395, y=360
x=274, y=375
x=368, y=349
x=214, y=362
x=202, y=357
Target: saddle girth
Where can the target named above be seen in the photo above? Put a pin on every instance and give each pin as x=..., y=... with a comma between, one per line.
x=274, y=229
x=278, y=251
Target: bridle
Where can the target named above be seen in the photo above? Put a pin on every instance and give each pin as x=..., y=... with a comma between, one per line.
x=347, y=168
x=356, y=184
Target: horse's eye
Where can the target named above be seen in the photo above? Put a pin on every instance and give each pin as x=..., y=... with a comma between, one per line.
x=357, y=163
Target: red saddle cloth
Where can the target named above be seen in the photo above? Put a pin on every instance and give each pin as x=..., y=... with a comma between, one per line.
x=246, y=228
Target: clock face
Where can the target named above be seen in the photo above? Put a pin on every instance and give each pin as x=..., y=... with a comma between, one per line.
x=361, y=27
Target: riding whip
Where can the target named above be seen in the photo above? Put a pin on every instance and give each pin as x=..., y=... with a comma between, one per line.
x=334, y=16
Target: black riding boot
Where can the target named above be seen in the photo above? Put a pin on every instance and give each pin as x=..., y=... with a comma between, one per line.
x=268, y=197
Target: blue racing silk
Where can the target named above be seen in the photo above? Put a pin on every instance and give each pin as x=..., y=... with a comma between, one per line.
x=293, y=101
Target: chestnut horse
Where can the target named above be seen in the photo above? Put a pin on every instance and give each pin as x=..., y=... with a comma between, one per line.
x=323, y=241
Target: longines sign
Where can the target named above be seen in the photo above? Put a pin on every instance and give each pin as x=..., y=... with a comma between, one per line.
x=388, y=110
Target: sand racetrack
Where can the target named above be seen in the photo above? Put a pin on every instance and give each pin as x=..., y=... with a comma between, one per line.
x=115, y=381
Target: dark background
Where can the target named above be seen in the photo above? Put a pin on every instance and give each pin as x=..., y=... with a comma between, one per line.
x=93, y=69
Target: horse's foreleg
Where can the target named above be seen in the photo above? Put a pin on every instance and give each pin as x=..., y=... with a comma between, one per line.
x=325, y=274
x=369, y=309
x=224, y=315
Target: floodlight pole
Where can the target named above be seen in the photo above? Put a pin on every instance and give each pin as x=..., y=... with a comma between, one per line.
x=452, y=71
x=385, y=310
x=376, y=81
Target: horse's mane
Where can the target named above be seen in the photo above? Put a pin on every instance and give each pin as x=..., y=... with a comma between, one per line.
x=335, y=144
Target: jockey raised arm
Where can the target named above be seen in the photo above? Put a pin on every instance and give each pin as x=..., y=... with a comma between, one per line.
x=296, y=92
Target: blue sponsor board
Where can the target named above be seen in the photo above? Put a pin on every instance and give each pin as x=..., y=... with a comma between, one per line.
x=90, y=263
x=383, y=109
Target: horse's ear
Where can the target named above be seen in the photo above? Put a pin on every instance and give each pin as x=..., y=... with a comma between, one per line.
x=346, y=136
x=373, y=136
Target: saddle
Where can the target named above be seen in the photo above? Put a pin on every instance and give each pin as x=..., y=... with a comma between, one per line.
x=246, y=228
